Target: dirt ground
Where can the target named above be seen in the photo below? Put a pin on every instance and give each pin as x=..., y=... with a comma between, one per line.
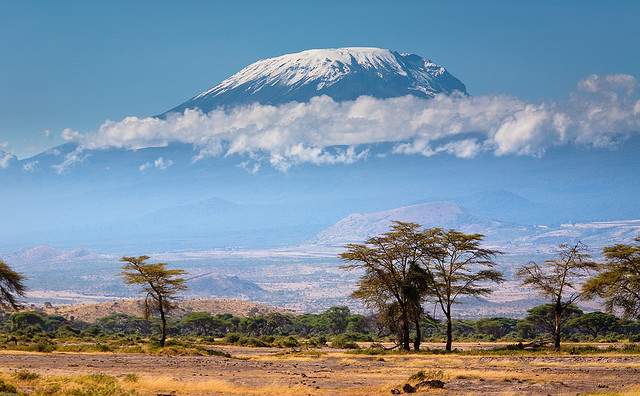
x=277, y=371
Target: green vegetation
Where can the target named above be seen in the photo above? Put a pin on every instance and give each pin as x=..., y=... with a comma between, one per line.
x=618, y=280
x=556, y=279
x=337, y=327
x=402, y=270
x=11, y=287
x=408, y=265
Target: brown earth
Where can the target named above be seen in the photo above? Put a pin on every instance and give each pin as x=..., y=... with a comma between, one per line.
x=276, y=371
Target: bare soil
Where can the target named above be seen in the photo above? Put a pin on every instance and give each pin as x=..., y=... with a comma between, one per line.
x=337, y=372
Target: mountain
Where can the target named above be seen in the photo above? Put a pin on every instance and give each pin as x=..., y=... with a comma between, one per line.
x=43, y=254
x=359, y=226
x=342, y=73
x=225, y=286
x=168, y=198
x=514, y=239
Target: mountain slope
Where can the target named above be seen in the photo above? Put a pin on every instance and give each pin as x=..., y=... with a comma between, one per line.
x=343, y=74
x=509, y=237
x=359, y=226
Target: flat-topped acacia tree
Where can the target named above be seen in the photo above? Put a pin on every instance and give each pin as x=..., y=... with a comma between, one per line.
x=160, y=284
x=388, y=283
x=617, y=282
x=454, y=264
x=11, y=287
x=557, y=279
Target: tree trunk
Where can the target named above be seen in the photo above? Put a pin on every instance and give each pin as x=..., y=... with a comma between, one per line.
x=556, y=330
x=418, y=339
x=405, y=333
x=163, y=329
x=449, y=333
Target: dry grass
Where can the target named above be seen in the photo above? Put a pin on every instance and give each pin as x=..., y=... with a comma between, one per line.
x=629, y=391
x=327, y=372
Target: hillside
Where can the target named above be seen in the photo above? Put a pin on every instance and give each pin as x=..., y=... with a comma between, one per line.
x=91, y=312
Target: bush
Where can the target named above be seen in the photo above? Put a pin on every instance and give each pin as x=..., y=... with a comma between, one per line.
x=634, y=338
x=232, y=338
x=42, y=346
x=267, y=339
x=251, y=341
x=286, y=342
x=103, y=347
x=343, y=342
x=130, y=378
x=317, y=342
x=25, y=375
x=7, y=388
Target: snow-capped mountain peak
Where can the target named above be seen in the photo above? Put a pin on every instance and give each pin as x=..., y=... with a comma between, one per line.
x=341, y=73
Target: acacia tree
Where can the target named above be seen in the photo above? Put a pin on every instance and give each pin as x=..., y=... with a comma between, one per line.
x=11, y=287
x=160, y=284
x=542, y=319
x=388, y=283
x=618, y=280
x=595, y=323
x=454, y=264
x=556, y=279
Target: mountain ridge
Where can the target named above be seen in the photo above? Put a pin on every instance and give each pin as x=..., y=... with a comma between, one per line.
x=341, y=73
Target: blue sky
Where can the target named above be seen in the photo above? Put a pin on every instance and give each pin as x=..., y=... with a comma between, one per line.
x=76, y=63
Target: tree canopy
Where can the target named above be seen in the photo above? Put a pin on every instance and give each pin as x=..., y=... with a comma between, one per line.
x=618, y=279
x=455, y=264
x=160, y=284
x=556, y=279
x=12, y=287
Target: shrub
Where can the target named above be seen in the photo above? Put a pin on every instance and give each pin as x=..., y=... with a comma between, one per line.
x=286, y=342
x=7, y=388
x=42, y=346
x=634, y=338
x=103, y=347
x=251, y=341
x=343, y=342
x=232, y=338
x=317, y=342
x=25, y=375
x=130, y=378
x=267, y=339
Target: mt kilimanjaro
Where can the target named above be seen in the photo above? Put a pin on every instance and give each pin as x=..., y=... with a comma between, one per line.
x=160, y=197
x=342, y=74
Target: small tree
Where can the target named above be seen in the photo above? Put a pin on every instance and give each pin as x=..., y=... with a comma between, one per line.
x=11, y=287
x=160, y=284
x=556, y=279
x=594, y=323
x=542, y=319
x=618, y=280
x=388, y=283
x=455, y=265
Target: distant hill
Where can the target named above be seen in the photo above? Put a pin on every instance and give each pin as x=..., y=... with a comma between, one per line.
x=511, y=237
x=92, y=312
x=359, y=226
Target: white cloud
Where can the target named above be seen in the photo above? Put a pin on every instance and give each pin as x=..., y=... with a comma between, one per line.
x=159, y=163
x=30, y=166
x=71, y=159
x=603, y=111
x=6, y=159
x=250, y=166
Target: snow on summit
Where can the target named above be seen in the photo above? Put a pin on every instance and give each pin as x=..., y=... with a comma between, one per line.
x=341, y=73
